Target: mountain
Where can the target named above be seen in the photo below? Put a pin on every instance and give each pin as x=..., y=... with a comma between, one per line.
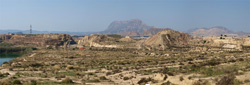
x=214, y=31
x=126, y=26
x=131, y=33
x=150, y=32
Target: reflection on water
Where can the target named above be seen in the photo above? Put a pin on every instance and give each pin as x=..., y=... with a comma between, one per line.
x=7, y=57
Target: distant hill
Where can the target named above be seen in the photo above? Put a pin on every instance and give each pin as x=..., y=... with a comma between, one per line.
x=126, y=26
x=214, y=31
x=44, y=32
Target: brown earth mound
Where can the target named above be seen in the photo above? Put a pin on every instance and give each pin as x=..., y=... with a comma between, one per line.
x=166, y=39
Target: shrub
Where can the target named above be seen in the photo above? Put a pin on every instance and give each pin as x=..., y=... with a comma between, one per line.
x=116, y=71
x=181, y=78
x=1, y=75
x=108, y=73
x=213, y=62
x=170, y=73
x=6, y=44
x=125, y=78
x=33, y=82
x=16, y=81
x=247, y=80
x=181, y=63
x=241, y=59
x=50, y=47
x=95, y=80
x=144, y=81
x=200, y=82
x=91, y=73
x=103, y=78
x=33, y=48
x=204, y=41
x=226, y=80
x=67, y=81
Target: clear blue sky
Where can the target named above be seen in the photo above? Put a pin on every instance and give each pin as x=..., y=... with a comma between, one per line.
x=96, y=15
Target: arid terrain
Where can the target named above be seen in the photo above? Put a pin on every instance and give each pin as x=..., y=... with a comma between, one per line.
x=124, y=42
x=167, y=58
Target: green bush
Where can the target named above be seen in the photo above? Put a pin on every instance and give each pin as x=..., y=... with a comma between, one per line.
x=16, y=81
x=50, y=47
x=144, y=81
x=103, y=78
x=6, y=44
x=126, y=78
x=227, y=80
x=213, y=62
x=94, y=80
x=67, y=81
x=33, y=82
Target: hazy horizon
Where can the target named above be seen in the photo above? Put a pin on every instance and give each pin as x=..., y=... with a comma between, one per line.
x=94, y=15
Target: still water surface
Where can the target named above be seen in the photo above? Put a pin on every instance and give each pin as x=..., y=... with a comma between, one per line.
x=7, y=57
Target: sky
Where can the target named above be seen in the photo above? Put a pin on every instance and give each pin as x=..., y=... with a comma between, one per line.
x=96, y=15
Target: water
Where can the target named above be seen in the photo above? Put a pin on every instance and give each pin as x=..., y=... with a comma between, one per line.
x=7, y=57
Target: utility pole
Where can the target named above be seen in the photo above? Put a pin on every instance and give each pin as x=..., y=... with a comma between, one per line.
x=30, y=29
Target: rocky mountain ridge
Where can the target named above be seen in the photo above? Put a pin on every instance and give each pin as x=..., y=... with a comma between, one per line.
x=150, y=32
x=126, y=26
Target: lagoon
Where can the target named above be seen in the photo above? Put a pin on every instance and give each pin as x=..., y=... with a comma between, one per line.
x=7, y=57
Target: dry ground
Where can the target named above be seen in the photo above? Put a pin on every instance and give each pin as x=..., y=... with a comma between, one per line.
x=130, y=67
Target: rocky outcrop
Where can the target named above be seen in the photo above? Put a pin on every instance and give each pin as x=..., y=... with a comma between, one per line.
x=100, y=40
x=107, y=41
x=167, y=39
x=228, y=43
x=39, y=39
x=127, y=39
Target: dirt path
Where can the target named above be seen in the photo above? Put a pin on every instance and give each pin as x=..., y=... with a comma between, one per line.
x=32, y=55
